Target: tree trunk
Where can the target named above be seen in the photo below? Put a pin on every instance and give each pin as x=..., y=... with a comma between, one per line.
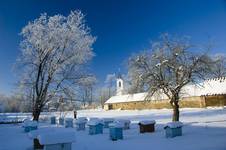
x=37, y=110
x=36, y=114
x=176, y=112
x=175, y=105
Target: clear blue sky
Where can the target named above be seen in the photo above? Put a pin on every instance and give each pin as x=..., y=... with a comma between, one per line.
x=122, y=27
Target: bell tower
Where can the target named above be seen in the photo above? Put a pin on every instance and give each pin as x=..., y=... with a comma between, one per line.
x=119, y=85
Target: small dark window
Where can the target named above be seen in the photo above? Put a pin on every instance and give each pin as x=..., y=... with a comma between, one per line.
x=110, y=106
x=119, y=84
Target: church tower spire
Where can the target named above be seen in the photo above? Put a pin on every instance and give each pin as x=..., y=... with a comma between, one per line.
x=119, y=84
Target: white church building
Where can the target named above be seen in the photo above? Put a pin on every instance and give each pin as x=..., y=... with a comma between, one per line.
x=211, y=92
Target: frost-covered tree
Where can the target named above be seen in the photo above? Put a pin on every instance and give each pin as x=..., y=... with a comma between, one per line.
x=86, y=86
x=167, y=67
x=12, y=103
x=54, y=51
x=103, y=95
x=109, y=82
x=219, y=69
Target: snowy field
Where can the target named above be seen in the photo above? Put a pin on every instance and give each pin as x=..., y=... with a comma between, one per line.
x=204, y=129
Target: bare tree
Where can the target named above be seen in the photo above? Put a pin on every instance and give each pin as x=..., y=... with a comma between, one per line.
x=219, y=69
x=54, y=50
x=168, y=67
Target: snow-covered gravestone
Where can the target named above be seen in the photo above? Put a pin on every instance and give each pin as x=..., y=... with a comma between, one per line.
x=173, y=129
x=107, y=121
x=125, y=122
x=147, y=126
x=69, y=123
x=30, y=125
x=116, y=131
x=57, y=140
x=53, y=120
x=95, y=126
x=81, y=123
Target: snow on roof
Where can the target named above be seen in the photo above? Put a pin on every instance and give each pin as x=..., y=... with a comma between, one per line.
x=34, y=134
x=127, y=98
x=58, y=136
x=81, y=120
x=123, y=121
x=68, y=119
x=94, y=122
x=30, y=123
x=174, y=124
x=215, y=86
x=147, y=122
x=116, y=125
x=108, y=119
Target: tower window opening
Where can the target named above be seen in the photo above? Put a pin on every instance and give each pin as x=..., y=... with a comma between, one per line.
x=119, y=84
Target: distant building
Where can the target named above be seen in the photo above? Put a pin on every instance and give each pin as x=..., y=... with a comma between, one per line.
x=211, y=92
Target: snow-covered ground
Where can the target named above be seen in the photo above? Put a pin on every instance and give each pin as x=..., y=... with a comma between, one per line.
x=204, y=129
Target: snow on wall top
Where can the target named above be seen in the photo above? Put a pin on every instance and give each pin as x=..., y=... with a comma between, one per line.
x=208, y=87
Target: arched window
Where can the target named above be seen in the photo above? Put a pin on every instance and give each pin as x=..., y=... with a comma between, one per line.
x=119, y=84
